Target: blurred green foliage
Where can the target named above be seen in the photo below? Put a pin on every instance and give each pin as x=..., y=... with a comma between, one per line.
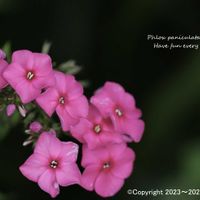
x=8, y=50
x=6, y=123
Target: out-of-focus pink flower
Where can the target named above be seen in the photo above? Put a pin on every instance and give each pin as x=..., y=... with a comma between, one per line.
x=66, y=98
x=10, y=109
x=95, y=130
x=112, y=100
x=53, y=163
x=106, y=168
x=2, y=54
x=29, y=73
x=35, y=127
x=3, y=66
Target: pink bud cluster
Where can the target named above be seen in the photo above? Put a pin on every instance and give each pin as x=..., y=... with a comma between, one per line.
x=103, y=125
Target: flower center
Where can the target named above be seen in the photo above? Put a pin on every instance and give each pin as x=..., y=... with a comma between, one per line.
x=62, y=100
x=97, y=128
x=118, y=112
x=54, y=164
x=106, y=165
x=30, y=75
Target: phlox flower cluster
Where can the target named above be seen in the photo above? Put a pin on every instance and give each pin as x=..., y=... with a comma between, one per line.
x=102, y=125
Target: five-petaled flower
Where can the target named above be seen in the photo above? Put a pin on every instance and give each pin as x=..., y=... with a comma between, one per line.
x=113, y=101
x=95, y=130
x=29, y=73
x=106, y=168
x=53, y=163
x=66, y=98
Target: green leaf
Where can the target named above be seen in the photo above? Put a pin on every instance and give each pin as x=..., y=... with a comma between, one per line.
x=46, y=47
x=7, y=49
x=70, y=67
x=29, y=118
x=85, y=83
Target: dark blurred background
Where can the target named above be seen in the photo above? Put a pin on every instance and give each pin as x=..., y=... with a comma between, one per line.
x=109, y=39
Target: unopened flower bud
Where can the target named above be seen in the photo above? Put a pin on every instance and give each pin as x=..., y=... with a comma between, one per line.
x=22, y=110
x=2, y=54
x=35, y=127
x=10, y=109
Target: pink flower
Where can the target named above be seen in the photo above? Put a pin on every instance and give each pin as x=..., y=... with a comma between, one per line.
x=10, y=109
x=66, y=98
x=3, y=66
x=53, y=163
x=106, y=168
x=2, y=54
x=95, y=130
x=35, y=127
x=112, y=100
x=29, y=73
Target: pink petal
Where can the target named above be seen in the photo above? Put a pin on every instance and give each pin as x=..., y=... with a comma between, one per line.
x=107, y=185
x=80, y=129
x=107, y=124
x=78, y=107
x=14, y=74
x=123, y=165
x=68, y=174
x=41, y=82
x=66, y=84
x=136, y=113
x=114, y=90
x=133, y=128
x=94, y=156
x=69, y=152
x=89, y=176
x=123, y=159
x=66, y=120
x=92, y=140
x=116, y=150
x=3, y=66
x=48, y=145
x=42, y=64
x=127, y=101
x=34, y=166
x=61, y=83
x=110, y=137
x=47, y=182
x=48, y=101
x=23, y=58
x=26, y=91
x=94, y=115
x=118, y=95
x=123, y=170
x=74, y=88
x=103, y=102
x=113, y=87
